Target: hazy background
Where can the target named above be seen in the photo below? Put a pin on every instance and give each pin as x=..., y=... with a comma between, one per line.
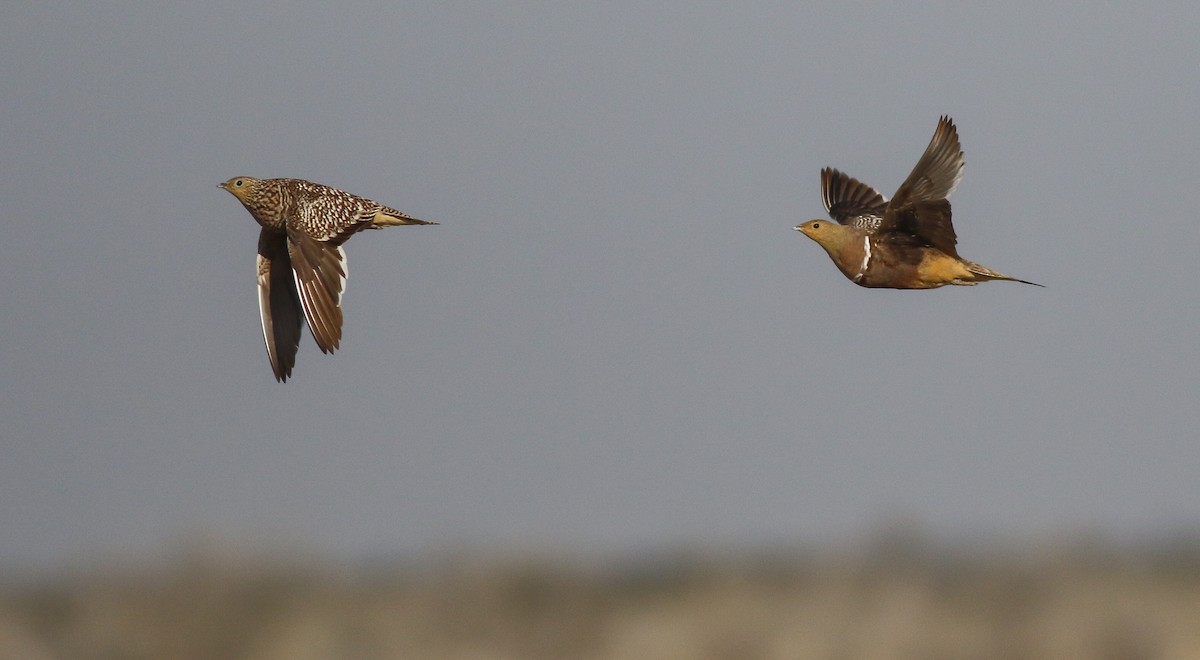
x=614, y=342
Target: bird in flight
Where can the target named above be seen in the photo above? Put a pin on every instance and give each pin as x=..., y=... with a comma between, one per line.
x=301, y=263
x=905, y=243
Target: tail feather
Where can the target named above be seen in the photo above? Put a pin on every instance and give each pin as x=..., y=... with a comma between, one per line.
x=989, y=274
x=387, y=216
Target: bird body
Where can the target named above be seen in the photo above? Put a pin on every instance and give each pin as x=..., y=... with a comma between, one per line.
x=874, y=262
x=301, y=263
x=908, y=242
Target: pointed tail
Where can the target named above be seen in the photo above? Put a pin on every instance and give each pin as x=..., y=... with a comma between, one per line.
x=989, y=274
x=389, y=217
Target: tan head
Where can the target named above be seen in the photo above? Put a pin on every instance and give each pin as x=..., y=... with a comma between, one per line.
x=241, y=187
x=829, y=234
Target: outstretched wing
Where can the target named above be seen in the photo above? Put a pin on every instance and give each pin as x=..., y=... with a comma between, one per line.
x=938, y=172
x=920, y=207
x=278, y=306
x=320, y=277
x=850, y=201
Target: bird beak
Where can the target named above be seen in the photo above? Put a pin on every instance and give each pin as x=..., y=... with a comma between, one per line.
x=797, y=228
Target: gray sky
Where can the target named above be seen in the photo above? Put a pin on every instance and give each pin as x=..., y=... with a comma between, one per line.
x=614, y=341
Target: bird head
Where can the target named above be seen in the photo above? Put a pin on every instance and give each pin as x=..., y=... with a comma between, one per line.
x=240, y=187
x=828, y=234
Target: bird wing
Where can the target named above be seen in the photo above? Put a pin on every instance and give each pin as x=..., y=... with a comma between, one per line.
x=278, y=306
x=850, y=201
x=320, y=273
x=925, y=222
x=920, y=207
x=358, y=220
x=938, y=172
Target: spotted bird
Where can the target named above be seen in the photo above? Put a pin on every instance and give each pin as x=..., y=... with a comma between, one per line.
x=909, y=242
x=301, y=263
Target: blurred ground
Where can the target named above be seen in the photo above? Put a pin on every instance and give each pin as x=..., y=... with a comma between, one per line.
x=895, y=597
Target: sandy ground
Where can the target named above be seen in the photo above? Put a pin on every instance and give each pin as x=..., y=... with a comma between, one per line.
x=893, y=600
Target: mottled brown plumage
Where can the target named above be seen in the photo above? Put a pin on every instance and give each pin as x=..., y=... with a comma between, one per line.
x=909, y=242
x=301, y=263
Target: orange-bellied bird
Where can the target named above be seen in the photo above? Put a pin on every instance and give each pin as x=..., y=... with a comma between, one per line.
x=905, y=243
x=301, y=263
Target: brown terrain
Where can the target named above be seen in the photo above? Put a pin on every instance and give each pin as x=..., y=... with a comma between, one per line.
x=895, y=598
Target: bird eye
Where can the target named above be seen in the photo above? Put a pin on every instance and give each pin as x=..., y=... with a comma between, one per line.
x=816, y=225
x=238, y=183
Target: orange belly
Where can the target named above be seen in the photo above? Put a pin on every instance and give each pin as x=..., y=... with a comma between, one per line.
x=937, y=269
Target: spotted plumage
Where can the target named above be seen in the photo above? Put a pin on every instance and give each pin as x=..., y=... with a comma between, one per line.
x=301, y=263
x=908, y=242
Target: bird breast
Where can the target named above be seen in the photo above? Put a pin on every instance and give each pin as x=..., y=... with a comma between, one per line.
x=854, y=257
